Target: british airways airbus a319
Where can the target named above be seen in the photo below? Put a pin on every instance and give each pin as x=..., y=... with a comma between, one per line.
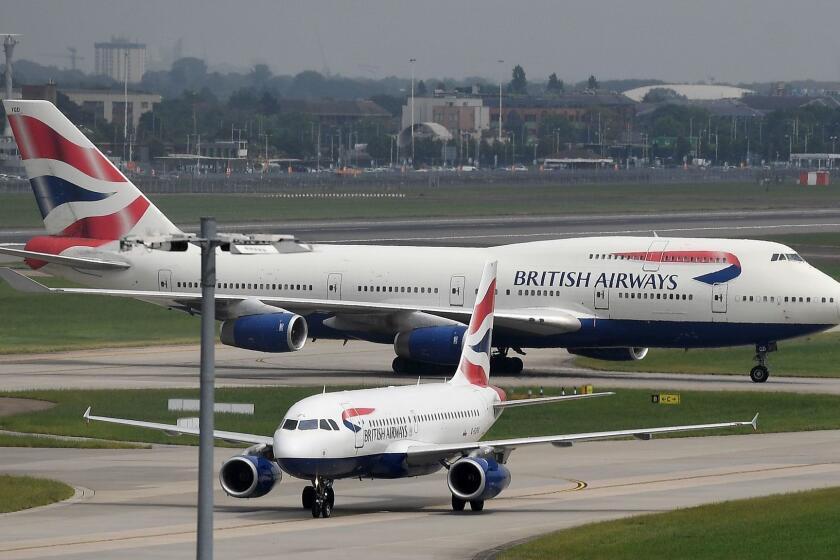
x=609, y=298
x=397, y=432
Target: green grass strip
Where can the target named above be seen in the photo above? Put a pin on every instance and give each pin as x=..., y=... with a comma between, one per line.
x=25, y=492
x=799, y=525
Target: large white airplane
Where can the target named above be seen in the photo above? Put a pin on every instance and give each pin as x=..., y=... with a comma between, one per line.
x=397, y=432
x=605, y=297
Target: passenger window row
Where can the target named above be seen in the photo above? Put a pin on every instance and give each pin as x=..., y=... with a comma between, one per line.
x=249, y=286
x=396, y=289
x=537, y=292
x=664, y=258
x=788, y=299
x=429, y=417
x=649, y=296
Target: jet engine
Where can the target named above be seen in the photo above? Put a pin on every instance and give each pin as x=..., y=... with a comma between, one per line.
x=267, y=332
x=477, y=478
x=432, y=345
x=611, y=354
x=249, y=476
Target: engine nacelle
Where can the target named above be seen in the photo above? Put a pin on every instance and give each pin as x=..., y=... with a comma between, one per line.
x=249, y=476
x=433, y=345
x=268, y=332
x=611, y=354
x=477, y=478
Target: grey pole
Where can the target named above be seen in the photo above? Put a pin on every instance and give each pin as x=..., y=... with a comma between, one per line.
x=204, y=544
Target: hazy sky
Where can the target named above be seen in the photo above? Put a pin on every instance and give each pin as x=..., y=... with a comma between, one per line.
x=749, y=40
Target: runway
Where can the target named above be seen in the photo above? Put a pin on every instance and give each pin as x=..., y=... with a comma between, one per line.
x=513, y=229
x=140, y=503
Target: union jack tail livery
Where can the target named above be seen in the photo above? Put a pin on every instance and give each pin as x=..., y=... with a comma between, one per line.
x=80, y=193
x=474, y=367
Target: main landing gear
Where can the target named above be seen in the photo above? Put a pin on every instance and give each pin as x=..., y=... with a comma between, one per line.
x=500, y=363
x=319, y=498
x=761, y=372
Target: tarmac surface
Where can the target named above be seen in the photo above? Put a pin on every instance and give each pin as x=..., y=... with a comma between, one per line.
x=330, y=363
x=140, y=503
x=514, y=229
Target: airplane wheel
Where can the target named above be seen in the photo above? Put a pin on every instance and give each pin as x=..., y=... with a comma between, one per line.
x=326, y=509
x=477, y=505
x=316, y=509
x=516, y=365
x=308, y=497
x=330, y=498
x=759, y=374
x=458, y=504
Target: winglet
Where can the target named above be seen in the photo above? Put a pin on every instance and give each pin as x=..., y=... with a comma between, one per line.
x=755, y=422
x=86, y=415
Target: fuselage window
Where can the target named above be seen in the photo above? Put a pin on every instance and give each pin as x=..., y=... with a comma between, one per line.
x=507, y=292
x=808, y=300
x=690, y=297
x=415, y=289
x=519, y=293
x=800, y=299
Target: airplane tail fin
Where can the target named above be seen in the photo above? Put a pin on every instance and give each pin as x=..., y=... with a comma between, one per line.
x=79, y=192
x=474, y=365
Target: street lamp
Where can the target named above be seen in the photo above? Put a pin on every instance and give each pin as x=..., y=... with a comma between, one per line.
x=500, y=102
x=411, y=62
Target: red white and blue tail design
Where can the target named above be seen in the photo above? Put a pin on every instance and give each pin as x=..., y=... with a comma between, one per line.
x=474, y=367
x=80, y=193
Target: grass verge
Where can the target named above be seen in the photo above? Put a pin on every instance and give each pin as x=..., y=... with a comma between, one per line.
x=85, y=322
x=25, y=492
x=13, y=440
x=489, y=199
x=780, y=412
x=798, y=525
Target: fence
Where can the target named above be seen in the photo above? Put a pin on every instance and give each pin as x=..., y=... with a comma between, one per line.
x=394, y=182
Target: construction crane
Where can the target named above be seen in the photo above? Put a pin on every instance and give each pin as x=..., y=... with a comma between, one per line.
x=73, y=56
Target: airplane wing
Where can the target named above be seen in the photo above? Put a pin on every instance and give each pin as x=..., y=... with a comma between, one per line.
x=178, y=430
x=546, y=400
x=532, y=321
x=504, y=446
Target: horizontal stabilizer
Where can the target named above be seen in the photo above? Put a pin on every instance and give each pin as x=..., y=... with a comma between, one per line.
x=547, y=400
x=75, y=262
x=22, y=283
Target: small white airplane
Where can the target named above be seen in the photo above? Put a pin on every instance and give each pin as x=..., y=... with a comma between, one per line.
x=604, y=297
x=397, y=432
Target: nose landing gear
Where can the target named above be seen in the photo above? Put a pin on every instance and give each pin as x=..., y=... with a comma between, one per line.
x=319, y=498
x=760, y=373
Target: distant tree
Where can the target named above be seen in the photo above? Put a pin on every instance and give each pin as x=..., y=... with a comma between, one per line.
x=441, y=86
x=592, y=83
x=554, y=85
x=421, y=88
x=518, y=83
x=661, y=95
x=260, y=75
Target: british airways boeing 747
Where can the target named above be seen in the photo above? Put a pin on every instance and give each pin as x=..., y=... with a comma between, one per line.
x=605, y=297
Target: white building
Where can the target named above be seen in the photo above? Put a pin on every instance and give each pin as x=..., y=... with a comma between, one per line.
x=119, y=56
x=457, y=114
x=110, y=105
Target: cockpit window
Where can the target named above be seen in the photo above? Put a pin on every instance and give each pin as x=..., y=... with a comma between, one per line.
x=308, y=425
x=289, y=424
x=333, y=424
x=324, y=425
x=786, y=257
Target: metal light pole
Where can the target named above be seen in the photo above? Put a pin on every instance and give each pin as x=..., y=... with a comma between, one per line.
x=500, y=103
x=208, y=243
x=411, y=62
